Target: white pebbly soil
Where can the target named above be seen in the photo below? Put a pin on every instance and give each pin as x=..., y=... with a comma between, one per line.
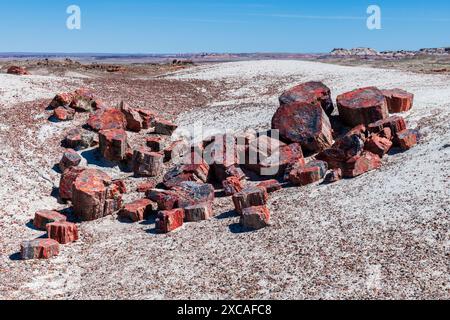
x=385, y=234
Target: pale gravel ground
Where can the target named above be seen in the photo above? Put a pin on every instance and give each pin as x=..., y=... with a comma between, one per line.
x=381, y=235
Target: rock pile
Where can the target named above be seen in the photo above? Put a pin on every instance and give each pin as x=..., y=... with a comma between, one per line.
x=186, y=193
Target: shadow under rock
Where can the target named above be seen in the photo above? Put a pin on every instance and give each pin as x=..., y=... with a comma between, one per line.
x=93, y=157
x=237, y=228
x=15, y=256
x=226, y=215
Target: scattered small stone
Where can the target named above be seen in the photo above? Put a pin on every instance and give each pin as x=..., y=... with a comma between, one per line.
x=69, y=159
x=83, y=100
x=249, y=197
x=232, y=185
x=255, y=218
x=406, y=139
x=270, y=185
x=137, y=210
x=39, y=249
x=79, y=140
x=305, y=176
x=44, y=217
x=64, y=232
x=198, y=212
x=147, y=163
x=63, y=114
x=170, y=220
x=61, y=100
x=323, y=166
x=333, y=176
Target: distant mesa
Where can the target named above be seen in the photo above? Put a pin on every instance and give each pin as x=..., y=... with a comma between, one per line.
x=369, y=52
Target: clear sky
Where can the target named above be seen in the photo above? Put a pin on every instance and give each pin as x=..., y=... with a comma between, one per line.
x=180, y=26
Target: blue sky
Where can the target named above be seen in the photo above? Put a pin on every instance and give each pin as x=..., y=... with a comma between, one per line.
x=138, y=26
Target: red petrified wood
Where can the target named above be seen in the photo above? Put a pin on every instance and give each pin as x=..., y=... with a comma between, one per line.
x=44, y=217
x=304, y=176
x=69, y=159
x=255, y=218
x=359, y=165
x=304, y=123
x=137, y=210
x=147, y=163
x=362, y=106
x=39, y=249
x=20, y=71
x=310, y=92
x=64, y=232
x=170, y=220
x=67, y=179
x=63, y=114
x=270, y=185
x=113, y=144
x=198, y=212
x=406, y=139
x=398, y=100
x=133, y=117
x=249, y=197
x=231, y=185
x=107, y=118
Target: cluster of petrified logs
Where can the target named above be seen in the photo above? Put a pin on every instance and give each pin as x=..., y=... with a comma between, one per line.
x=305, y=125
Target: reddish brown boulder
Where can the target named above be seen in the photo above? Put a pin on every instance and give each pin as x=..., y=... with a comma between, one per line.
x=20, y=71
x=63, y=114
x=147, y=118
x=175, y=150
x=166, y=199
x=64, y=232
x=344, y=149
x=398, y=100
x=362, y=106
x=83, y=100
x=235, y=171
x=270, y=185
x=192, y=193
x=69, y=159
x=164, y=127
x=137, y=210
x=386, y=133
x=249, y=197
x=133, y=117
x=44, y=217
x=66, y=182
x=113, y=144
x=286, y=157
x=168, y=221
x=378, y=145
x=255, y=218
x=201, y=170
x=311, y=93
x=80, y=140
x=147, y=163
x=304, y=123
x=121, y=186
x=232, y=185
x=107, y=118
x=361, y=164
x=94, y=195
x=39, y=249
x=333, y=176
x=154, y=143
x=323, y=166
x=406, y=139
x=304, y=176
x=145, y=186
x=61, y=100
x=395, y=123
x=198, y=212
x=176, y=176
